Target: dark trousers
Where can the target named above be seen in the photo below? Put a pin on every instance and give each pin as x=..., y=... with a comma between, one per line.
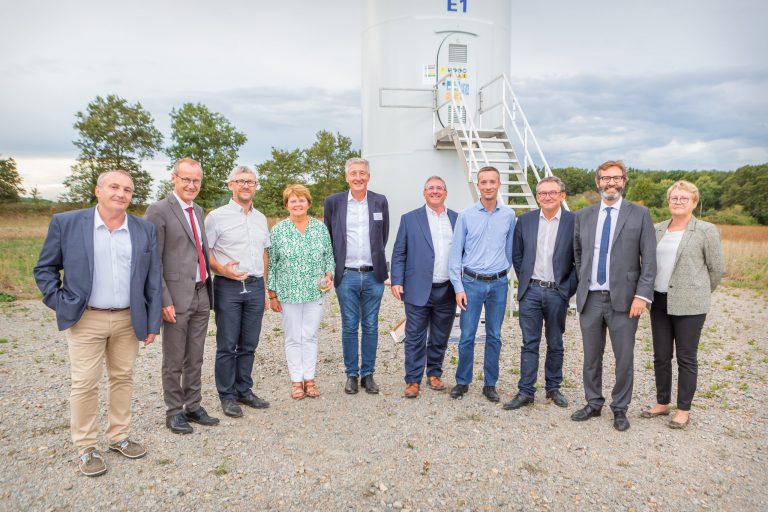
x=238, y=326
x=427, y=330
x=183, y=346
x=597, y=316
x=673, y=333
x=541, y=305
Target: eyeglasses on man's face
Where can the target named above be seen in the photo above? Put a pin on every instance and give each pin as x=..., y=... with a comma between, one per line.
x=548, y=193
x=435, y=188
x=609, y=179
x=679, y=199
x=188, y=181
x=245, y=183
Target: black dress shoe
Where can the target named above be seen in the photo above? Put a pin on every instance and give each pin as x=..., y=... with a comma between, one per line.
x=369, y=384
x=231, y=409
x=586, y=412
x=490, y=393
x=557, y=398
x=178, y=424
x=201, y=416
x=620, y=421
x=252, y=400
x=458, y=391
x=518, y=401
x=350, y=387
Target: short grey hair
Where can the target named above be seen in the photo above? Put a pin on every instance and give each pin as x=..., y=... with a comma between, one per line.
x=185, y=160
x=551, y=179
x=103, y=176
x=357, y=160
x=431, y=178
x=242, y=169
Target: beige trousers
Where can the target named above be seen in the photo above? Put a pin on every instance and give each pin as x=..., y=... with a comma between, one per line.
x=101, y=335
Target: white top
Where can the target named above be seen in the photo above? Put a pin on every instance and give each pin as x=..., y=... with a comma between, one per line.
x=358, y=233
x=236, y=235
x=545, y=247
x=184, y=207
x=593, y=284
x=666, y=252
x=111, y=287
x=442, y=234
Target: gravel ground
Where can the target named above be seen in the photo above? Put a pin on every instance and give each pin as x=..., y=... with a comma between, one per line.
x=384, y=452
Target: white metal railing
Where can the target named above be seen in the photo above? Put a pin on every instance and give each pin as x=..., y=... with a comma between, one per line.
x=512, y=111
x=467, y=129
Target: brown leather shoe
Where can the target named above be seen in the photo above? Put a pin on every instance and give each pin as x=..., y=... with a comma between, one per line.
x=411, y=390
x=436, y=384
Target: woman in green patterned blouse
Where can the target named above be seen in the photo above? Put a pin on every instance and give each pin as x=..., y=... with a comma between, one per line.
x=300, y=272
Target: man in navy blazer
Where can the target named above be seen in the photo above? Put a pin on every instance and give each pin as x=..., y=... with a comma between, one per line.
x=420, y=280
x=358, y=222
x=542, y=255
x=108, y=298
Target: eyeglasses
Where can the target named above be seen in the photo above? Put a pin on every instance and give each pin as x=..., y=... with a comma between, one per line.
x=435, y=188
x=679, y=199
x=552, y=193
x=608, y=179
x=188, y=181
x=245, y=183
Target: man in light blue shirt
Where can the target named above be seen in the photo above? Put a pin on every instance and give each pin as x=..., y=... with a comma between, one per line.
x=480, y=258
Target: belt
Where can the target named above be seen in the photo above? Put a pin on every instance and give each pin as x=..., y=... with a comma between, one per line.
x=601, y=292
x=441, y=285
x=251, y=279
x=360, y=269
x=199, y=284
x=485, y=277
x=111, y=310
x=544, y=284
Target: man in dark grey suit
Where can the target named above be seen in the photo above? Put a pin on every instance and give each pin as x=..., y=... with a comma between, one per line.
x=615, y=254
x=107, y=299
x=187, y=296
x=358, y=222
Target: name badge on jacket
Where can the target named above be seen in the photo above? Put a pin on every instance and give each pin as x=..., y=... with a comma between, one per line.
x=378, y=216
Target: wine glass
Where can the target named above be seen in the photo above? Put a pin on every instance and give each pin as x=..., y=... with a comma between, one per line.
x=245, y=290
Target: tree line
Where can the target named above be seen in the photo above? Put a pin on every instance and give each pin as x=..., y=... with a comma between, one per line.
x=115, y=134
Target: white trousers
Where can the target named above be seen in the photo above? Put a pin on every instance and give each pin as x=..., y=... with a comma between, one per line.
x=300, y=324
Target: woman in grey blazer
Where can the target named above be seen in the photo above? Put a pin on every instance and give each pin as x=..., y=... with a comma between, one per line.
x=689, y=265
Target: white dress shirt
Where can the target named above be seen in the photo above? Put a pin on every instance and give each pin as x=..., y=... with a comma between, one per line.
x=111, y=287
x=442, y=233
x=184, y=207
x=358, y=233
x=236, y=235
x=593, y=284
x=543, y=269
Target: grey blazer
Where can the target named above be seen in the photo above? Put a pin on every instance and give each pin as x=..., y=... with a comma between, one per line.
x=178, y=254
x=699, y=266
x=633, y=254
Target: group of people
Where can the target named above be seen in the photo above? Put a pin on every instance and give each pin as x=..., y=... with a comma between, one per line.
x=125, y=277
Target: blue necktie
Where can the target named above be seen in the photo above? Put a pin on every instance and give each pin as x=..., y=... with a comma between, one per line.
x=604, y=241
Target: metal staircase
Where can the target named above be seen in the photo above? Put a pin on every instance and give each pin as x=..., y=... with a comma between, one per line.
x=499, y=145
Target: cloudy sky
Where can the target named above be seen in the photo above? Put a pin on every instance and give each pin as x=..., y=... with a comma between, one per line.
x=663, y=84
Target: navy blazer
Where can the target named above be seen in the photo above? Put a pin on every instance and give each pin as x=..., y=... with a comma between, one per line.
x=524, y=253
x=335, y=219
x=69, y=247
x=413, y=256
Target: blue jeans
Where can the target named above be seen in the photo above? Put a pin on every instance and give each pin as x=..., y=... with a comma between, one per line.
x=359, y=297
x=238, y=326
x=548, y=306
x=492, y=294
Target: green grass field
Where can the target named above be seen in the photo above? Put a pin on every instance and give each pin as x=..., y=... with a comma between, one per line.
x=21, y=237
